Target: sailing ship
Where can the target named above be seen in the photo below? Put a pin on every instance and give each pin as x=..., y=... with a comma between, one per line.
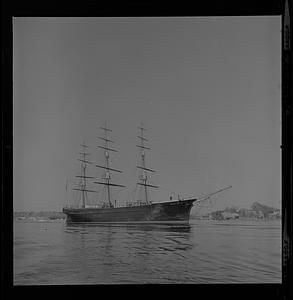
x=142, y=210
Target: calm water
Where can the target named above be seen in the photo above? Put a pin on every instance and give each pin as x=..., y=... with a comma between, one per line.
x=206, y=252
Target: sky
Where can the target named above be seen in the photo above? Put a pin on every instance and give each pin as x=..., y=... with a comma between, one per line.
x=208, y=89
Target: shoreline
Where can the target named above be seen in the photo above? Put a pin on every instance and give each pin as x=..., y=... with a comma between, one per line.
x=235, y=221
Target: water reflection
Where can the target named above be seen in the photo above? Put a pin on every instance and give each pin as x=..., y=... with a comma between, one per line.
x=125, y=252
x=83, y=227
x=161, y=228
x=139, y=241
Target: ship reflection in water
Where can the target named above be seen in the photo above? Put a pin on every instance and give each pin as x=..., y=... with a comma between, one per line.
x=136, y=246
x=204, y=252
x=140, y=227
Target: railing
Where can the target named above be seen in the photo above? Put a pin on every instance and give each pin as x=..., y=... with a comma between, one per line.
x=135, y=203
x=71, y=206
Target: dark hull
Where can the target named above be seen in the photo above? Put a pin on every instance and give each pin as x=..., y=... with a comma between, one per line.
x=171, y=212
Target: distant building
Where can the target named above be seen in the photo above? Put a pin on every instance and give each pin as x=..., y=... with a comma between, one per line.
x=275, y=215
x=229, y=215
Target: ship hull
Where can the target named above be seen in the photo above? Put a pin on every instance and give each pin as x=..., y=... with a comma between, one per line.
x=171, y=212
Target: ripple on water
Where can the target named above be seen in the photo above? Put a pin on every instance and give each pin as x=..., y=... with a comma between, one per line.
x=201, y=253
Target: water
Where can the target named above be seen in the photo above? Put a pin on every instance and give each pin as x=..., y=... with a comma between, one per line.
x=206, y=252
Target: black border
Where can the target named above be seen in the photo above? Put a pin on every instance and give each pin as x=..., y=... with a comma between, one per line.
x=10, y=9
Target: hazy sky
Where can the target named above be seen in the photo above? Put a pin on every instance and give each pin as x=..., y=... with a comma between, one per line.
x=207, y=89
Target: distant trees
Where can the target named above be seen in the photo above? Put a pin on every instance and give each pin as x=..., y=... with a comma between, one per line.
x=49, y=215
x=266, y=210
x=232, y=209
x=257, y=211
x=217, y=215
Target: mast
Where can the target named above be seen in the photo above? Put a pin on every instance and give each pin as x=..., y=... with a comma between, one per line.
x=83, y=177
x=106, y=167
x=143, y=176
